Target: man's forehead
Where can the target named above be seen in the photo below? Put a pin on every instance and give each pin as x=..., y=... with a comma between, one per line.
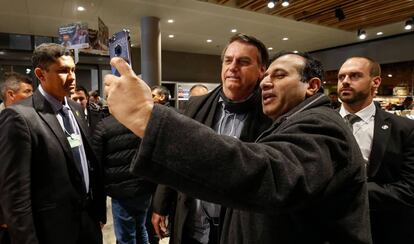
x=24, y=85
x=355, y=64
x=241, y=49
x=288, y=61
x=80, y=93
x=65, y=60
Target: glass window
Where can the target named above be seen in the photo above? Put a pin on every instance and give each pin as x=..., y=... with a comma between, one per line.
x=20, y=42
x=42, y=39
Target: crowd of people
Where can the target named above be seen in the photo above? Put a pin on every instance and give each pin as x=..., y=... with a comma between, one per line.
x=266, y=157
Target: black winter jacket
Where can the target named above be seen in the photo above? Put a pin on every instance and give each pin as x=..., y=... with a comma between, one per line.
x=115, y=146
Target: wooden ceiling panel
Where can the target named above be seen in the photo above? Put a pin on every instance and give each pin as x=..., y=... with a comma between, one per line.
x=358, y=13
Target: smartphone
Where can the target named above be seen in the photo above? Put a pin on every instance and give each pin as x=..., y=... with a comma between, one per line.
x=120, y=46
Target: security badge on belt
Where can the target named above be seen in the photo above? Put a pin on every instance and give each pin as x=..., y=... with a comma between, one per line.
x=74, y=140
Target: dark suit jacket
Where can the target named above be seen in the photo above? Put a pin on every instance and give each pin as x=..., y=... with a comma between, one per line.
x=203, y=109
x=42, y=192
x=391, y=179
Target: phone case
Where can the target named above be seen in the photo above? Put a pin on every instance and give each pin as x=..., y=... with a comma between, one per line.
x=119, y=46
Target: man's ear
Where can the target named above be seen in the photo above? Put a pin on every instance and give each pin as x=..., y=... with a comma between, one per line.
x=262, y=71
x=39, y=74
x=314, y=85
x=10, y=95
x=162, y=97
x=376, y=81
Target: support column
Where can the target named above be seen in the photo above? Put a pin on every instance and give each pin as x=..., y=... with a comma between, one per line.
x=151, y=50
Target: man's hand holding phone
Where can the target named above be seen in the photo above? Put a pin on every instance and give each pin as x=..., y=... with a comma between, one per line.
x=129, y=98
x=120, y=46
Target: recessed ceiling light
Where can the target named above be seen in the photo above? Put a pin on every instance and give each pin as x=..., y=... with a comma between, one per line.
x=324, y=82
x=270, y=48
x=234, y=30
x=379, y=33
x=409, y=24
x=271, y=4
x=209, y=40
x=361, y=34
x=81, y=8
x=28, y=71
x=285, y=3
x=285, y=38
x=171, y=36
x=296, y=51
x=389, y=75
x=170, y=21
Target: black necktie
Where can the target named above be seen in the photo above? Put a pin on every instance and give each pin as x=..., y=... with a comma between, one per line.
x=351, y=119
x=69, y=131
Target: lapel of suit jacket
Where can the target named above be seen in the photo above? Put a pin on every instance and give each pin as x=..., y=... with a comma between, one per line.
x=46, y=112
x=382, y=131
x=83, y=126
x=80, y=119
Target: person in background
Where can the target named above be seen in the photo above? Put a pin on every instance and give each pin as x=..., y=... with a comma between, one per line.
x=232, y=109
x=161, y=95
x=198, y=90
x=13, y=88
x=406, y=104
x=51, y=184
x=115, y=146
x=93, y=113
x=387, y=145
x=95, y=98
x=301, y=181
x=333, y=97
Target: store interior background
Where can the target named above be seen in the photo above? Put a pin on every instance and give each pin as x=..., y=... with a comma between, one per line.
x=188, y=58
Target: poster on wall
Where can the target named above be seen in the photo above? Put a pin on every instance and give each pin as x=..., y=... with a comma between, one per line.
x=74, y=35
x=103, y=34
x=98, y=39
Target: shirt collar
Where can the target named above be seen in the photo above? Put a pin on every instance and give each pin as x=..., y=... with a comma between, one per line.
x=365, y=114
x=56, y=104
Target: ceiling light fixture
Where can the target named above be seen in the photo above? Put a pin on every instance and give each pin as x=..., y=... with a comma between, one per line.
x=170, y=21
x=285, y=38
x=389, y=75
x=296, y=51
x=80, y=8
x=339, y=13
x=285, y=3
x=209, y=40
x=170, y=36
x=362, y=34
x=233, y=30
x=409, y=24
x=271, y=4
x=270, y=48
x=380, y=33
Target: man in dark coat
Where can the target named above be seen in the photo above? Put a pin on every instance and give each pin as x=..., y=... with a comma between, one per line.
x=93, y=113
x=305, y=173
x=51, y=185
x=387, y=144
x=115, y=147
x=234, y=109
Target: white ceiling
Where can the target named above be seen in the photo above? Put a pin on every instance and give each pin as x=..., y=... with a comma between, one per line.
x=195, y=22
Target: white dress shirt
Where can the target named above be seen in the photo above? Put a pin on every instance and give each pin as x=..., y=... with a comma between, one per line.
x=363, y=129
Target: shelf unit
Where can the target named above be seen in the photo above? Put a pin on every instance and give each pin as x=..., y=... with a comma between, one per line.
x=180, y=92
